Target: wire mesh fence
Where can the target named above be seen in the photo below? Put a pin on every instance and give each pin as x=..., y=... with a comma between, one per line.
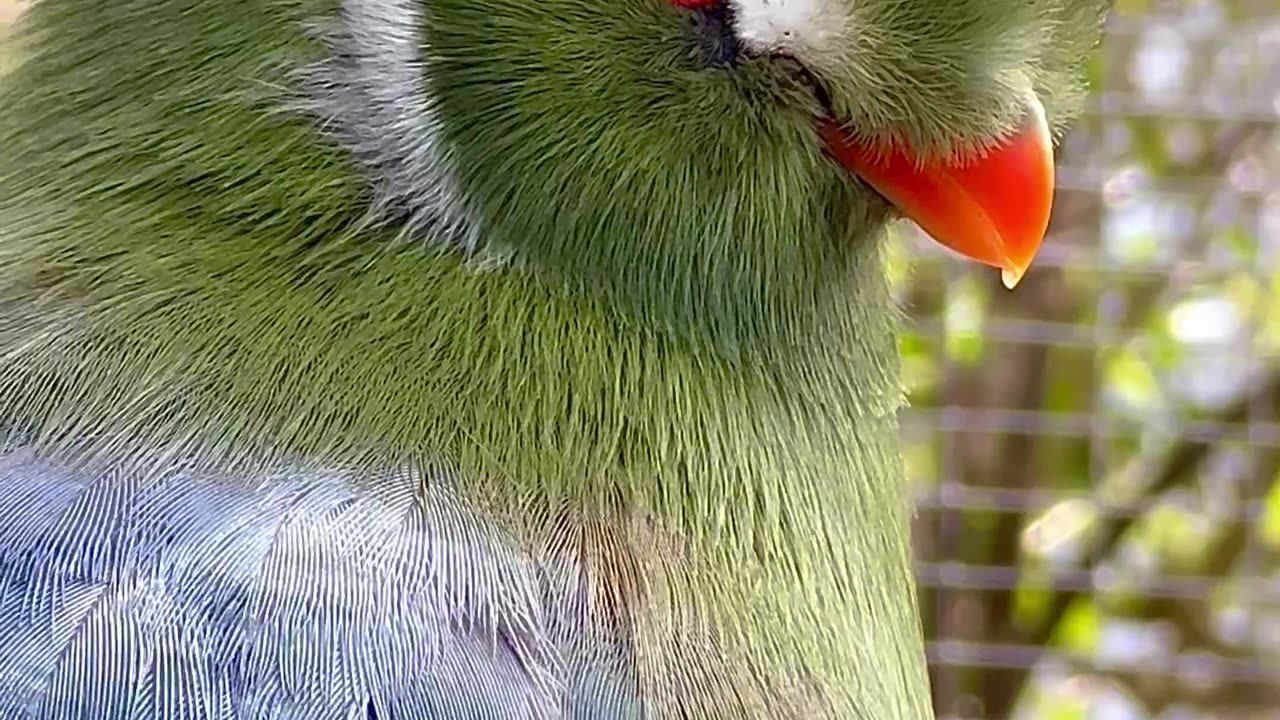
x=1096, y=455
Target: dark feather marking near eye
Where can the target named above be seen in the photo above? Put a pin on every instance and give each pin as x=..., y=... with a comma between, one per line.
x=717, y=44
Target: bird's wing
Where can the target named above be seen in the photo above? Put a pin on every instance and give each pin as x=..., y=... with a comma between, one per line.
x=305, y=595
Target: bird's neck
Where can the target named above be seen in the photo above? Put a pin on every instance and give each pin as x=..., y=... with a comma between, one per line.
x=412, y=350
x=779, y=468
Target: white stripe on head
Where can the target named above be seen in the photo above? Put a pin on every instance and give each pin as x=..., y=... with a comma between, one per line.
x=371, y=97
x=797, y=27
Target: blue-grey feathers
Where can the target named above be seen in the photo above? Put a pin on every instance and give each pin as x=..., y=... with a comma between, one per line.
x=292, y=596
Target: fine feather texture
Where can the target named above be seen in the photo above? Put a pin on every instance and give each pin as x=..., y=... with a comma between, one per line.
x=675, y=407
x=301, y=596
x=367, y=93
x=304, y=595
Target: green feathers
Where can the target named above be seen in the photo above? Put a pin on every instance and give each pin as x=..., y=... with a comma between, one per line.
x=546, y=245
x=697, y=195
x=947, y=75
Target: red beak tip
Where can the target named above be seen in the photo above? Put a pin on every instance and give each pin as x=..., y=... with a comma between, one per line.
x=1011, y=275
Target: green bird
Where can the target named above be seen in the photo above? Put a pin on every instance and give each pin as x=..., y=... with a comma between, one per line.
x=485, y=358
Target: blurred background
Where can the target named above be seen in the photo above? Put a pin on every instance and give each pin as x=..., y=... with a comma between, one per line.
x=1096, y=455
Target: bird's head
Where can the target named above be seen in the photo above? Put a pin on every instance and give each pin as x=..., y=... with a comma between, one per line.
x=725, y=146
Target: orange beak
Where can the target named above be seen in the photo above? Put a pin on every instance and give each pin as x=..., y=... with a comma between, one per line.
x=994, y=209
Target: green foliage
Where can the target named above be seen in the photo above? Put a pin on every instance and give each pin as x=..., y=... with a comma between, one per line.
x=1269, y=522
x=964, y=320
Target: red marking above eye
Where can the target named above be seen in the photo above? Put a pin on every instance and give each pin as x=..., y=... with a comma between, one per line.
x=694, y=4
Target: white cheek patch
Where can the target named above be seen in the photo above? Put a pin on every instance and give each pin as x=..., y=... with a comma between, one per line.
x=793, y=26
